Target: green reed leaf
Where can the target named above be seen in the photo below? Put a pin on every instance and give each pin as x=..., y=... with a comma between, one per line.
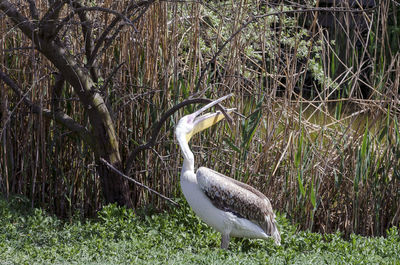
x=300, y=182
x=312, y=195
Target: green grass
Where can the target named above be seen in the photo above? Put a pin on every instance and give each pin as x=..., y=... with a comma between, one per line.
x=120, y=236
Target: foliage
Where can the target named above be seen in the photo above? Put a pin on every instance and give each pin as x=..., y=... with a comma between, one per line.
x=120, y=236
x=258, y=50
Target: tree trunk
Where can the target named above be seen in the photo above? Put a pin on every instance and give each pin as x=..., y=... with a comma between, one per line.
x=102, y=137
x=115, y=188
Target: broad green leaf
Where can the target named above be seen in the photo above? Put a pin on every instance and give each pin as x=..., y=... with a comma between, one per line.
x=232, y=145
x=252, y=124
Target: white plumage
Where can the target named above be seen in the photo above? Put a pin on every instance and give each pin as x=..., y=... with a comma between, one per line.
x=231, y=207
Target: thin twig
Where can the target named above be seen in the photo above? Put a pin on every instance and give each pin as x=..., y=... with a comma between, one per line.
x=106, y=10
x=137, y=182
x=99, y=42
x=110, y=77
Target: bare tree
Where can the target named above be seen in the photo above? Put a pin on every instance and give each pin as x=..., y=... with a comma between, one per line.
x=43, y=28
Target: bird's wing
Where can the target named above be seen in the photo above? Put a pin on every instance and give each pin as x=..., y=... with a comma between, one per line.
x=239, y=198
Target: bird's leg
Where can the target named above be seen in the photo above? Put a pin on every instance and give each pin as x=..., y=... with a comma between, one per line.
x=225, y=241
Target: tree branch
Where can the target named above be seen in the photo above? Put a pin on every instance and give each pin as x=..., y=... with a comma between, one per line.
x=57, y=90
x=48, y=27
x=59, y=116
x=33, y=10
x=21, y=21
x=160, y=123
x=54, y=10
x=86, y=26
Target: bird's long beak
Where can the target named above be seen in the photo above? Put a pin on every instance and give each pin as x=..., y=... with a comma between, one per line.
x=209, y=105
x=207, y=120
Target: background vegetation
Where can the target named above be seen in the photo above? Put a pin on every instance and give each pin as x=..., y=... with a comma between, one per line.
x=317, y=87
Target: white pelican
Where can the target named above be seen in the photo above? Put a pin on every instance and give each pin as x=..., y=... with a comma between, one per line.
x=229, y=206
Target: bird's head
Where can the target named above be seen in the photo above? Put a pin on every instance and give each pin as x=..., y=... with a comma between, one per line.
x=191, y=124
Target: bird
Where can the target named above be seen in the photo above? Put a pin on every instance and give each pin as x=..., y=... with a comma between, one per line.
x=231, y=207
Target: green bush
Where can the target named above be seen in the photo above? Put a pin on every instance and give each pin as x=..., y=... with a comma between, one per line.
x=122, y=236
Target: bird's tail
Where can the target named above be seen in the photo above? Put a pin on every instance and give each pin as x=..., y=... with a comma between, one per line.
x=276, y=235
x=271, y=228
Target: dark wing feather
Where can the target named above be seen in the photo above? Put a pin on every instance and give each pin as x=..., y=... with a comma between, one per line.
x=239, y=198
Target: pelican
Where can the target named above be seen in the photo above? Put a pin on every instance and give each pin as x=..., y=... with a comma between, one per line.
x=231, y=207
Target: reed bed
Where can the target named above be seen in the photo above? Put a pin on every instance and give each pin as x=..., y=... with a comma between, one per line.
x=318, y=131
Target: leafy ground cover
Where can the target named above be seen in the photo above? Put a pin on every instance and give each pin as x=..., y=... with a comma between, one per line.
x=121, y=236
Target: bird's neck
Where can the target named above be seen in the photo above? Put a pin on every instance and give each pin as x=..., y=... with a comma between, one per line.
x=188, y=157
x=188, y=165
